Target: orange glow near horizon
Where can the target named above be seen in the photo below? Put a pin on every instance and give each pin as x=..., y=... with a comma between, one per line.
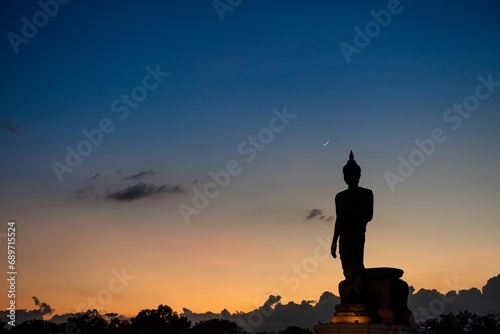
x=234, y=257
x=216, y=270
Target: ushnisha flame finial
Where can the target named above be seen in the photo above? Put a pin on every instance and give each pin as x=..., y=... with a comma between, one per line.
x=351, y=166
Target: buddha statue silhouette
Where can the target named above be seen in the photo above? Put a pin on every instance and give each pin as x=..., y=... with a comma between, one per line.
x=354, y=209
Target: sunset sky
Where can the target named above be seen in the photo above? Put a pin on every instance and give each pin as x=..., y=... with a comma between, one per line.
x=171, y=92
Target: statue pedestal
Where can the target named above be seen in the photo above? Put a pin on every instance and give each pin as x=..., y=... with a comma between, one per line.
x=353, y=314
x=380, y=306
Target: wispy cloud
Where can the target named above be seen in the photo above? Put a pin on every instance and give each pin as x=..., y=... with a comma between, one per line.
x=317, y=214
x=139, y=176
x=96, y=175
x=84, y=192
x=8, y=127
x=143, y=190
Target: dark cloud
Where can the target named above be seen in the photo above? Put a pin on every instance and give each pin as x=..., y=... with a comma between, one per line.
x=273, y=316
x=6, y=126
x=317, y=214
x=314, y=213
x=139, y=176
x=25, y=315
x=143, y=190
x=424, y=304
x=96, y=175
x=60, y=318
x=492, y=288
x=225, y=313
x=43, y=307
x=276, y=316
x=103, y=186
x=272, y=300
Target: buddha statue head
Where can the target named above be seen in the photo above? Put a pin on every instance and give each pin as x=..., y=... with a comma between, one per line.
x=352, y=172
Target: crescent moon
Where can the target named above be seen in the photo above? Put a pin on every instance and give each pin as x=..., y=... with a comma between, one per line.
x=328, y=140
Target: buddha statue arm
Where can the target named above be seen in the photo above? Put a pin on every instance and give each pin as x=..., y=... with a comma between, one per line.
x=367, y=213
x=336, y=231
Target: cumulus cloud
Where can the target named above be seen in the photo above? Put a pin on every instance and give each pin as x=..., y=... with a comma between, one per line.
x=60, y=318
x=25, y=315
x=317, y=214
x=426, y=304
x=492, y=288
x=271, y=301
x=43, y=307
x=273, y=316
x=143, y=190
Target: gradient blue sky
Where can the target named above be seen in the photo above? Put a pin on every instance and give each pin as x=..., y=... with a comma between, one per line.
x=225, y=79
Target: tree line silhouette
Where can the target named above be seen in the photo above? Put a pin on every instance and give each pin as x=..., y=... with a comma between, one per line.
x=149, y=321
x=165, y=321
